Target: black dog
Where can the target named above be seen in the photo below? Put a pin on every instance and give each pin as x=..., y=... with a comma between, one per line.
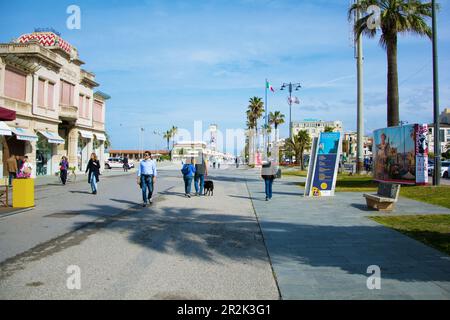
x=209, y=188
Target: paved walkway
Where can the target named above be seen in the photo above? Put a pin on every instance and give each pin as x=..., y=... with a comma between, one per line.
x=198, y=248
x=321, y=248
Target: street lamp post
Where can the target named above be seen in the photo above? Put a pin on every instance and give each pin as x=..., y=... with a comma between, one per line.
x=360, y=98
x=290, y=86
x=437, y=140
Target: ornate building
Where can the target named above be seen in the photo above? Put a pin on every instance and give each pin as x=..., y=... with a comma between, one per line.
x=58, y=112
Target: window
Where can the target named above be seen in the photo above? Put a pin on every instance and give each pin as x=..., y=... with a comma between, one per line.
x=41, y=90
x=67, y=91
x=80, y=106
x=98, y=111
x=51, y=96
x=15, y=84
x=87, y=108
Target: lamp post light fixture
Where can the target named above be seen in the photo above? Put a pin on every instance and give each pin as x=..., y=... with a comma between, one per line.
x=437, y=140
x=290, y=86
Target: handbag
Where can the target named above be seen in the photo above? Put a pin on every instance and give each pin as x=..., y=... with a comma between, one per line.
x=278, y=175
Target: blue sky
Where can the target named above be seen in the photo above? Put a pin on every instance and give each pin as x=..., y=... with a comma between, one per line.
x=173, y=62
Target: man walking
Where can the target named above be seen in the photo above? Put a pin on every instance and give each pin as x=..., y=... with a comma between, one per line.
x=201, y=170
x=125, y=164
x=146, y=177
x=11, y=165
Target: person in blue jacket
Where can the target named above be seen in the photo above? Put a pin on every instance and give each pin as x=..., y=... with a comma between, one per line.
x=188, y=172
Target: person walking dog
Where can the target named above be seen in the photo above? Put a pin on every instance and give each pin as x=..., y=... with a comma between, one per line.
x=146, y=177
x=93, y=167
x=188, y=172
x=201, y=171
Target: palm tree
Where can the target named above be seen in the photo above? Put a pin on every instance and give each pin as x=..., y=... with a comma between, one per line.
x=276, y=119
x=173, y=133
x=255, y=112
x=397, y=16
x=167, y=135
x=329, y=129
x=298, y=144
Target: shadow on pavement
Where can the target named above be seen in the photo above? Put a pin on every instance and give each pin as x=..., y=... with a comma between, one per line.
x=197, y=234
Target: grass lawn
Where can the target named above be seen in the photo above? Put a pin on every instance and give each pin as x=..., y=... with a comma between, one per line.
x=434, y=195
x=433, y=230
x=296, y=173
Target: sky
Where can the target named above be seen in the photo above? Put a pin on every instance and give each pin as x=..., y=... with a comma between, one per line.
x=172, y=62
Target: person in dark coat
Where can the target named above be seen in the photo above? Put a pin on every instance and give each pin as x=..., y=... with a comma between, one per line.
x=125, y=164
x=63, y=167
x=93, y=169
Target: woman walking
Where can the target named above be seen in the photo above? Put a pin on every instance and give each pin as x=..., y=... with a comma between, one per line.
x=188, y=175
x=94, y=172
x=63, y=167
x=268, y=173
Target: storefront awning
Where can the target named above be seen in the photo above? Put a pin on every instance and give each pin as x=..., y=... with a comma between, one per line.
x=5, y=130
x=24, y=134
x=52, y=137
x=86, y=134
x=7, y=115
x=100, y=136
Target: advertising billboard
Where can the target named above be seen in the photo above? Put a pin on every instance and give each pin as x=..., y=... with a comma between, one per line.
x=401, y=154
x=326, y=153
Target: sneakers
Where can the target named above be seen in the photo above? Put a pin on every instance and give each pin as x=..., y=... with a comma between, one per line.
x=144, y=204
x=150, y=200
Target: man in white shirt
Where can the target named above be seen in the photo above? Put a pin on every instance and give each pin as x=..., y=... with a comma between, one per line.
x=146, y=177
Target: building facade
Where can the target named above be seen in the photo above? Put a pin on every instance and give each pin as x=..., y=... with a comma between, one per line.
x=315, y=127
x=136, y=155
x=444, y=120
x=350, y=145
x=58, y=112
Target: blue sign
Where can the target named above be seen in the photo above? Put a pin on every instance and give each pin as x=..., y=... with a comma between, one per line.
x=325, y=164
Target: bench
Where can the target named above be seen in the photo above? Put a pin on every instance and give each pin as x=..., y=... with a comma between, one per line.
x=385, y=198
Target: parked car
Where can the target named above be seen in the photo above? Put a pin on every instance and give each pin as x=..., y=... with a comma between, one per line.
x=445, y=165
x=445, y=169
x=117, y=163
x=112, y=163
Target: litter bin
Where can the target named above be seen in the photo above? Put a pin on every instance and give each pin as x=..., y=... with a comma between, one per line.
x=23, y=193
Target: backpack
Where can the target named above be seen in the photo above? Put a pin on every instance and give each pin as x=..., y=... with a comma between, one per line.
x=185, y=171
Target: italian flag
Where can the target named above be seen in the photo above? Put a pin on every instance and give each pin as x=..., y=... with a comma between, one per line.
x=269, y=86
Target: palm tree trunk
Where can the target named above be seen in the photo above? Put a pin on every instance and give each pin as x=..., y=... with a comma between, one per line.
x=276, y=133
x=393, y=117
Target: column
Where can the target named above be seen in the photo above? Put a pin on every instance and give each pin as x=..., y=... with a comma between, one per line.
x=72, y=148
x=101, y=156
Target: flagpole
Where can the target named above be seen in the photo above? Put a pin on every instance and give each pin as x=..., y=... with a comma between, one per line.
x=266, y=124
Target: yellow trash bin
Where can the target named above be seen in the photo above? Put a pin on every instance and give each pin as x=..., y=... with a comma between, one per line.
x=23, y=193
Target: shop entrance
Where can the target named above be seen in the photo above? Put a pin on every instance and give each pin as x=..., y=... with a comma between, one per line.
x=83, y=153
x=44, y=152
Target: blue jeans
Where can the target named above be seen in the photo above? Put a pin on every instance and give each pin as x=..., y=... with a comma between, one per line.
x=187, y=184
x=268, y=183
x=93, y=183
x=12, y=176
x=147, y=183
x=199, y=178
